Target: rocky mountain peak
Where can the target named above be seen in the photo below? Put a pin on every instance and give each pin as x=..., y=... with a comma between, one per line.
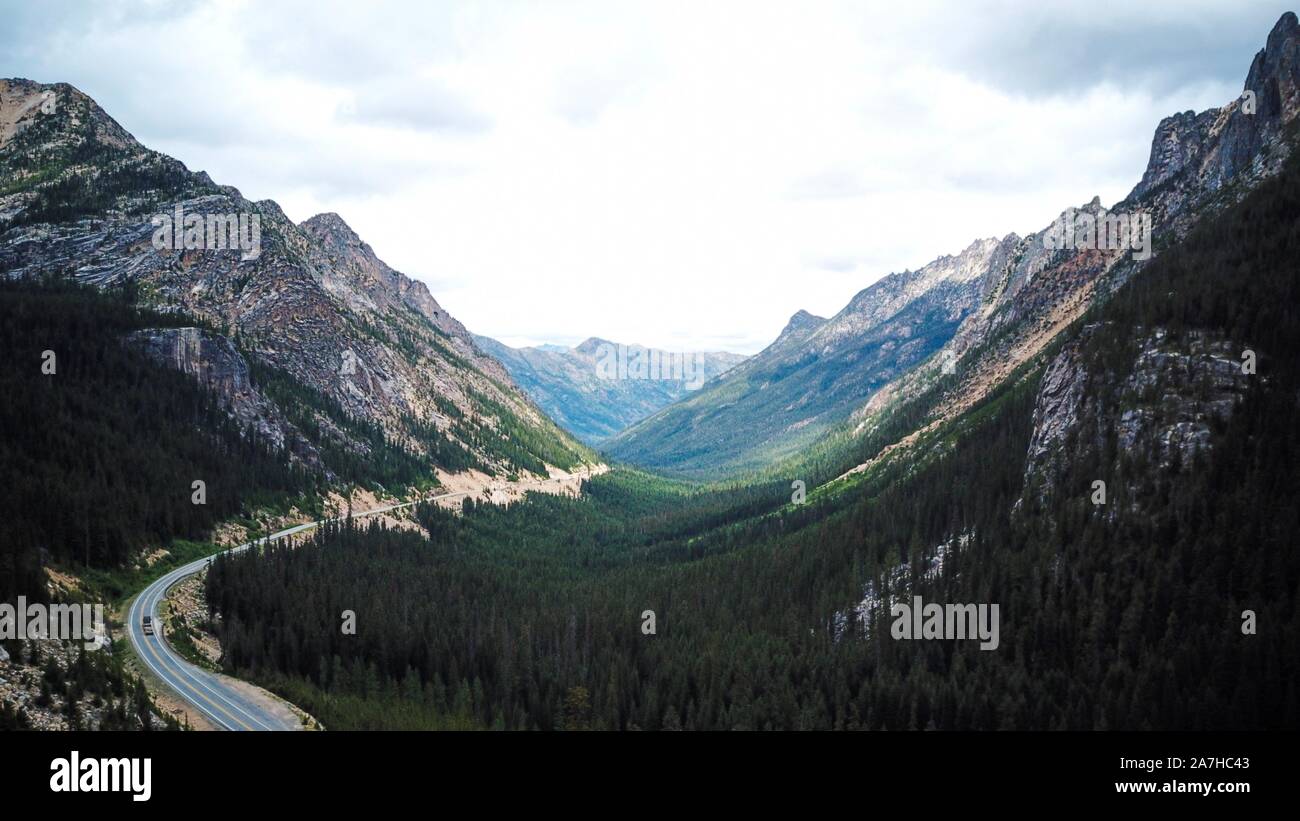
x=332, y=231
x=354, y=272
x=802, y=318
x=1275, y=72
x=591, y=345
x=800, y=325
x=1218, y=145
x=25, y=103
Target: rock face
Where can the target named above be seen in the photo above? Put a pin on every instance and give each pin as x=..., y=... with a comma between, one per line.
x=800, y=326
x=1061, y=397
x=79, y=196
x=576, y=387
x=1194, y=156
x=352, y=272
x=213, y=360
x=1176, y=390
x=1157, y=403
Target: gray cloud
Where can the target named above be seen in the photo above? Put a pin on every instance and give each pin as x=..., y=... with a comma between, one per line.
x=32, y=30
x=1060, y=49
x=348, y=44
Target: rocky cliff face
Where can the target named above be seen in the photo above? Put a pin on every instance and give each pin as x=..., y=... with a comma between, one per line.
x=352, y=272
x=215, y=363
x=1196, y=156
x=1158, y=404
x=80, y=197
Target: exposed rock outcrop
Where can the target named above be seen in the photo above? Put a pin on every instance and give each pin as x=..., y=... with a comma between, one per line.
x=213, y=360
x=1159, y=404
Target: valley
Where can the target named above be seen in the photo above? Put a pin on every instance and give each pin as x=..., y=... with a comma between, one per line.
x=493, y=523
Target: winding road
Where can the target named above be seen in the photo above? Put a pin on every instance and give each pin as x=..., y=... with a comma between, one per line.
x=229, y=703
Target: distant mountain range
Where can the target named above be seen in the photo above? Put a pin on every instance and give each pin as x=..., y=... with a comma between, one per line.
x=586, y=391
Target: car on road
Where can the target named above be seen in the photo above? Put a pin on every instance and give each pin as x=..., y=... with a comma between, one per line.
x=147, y=623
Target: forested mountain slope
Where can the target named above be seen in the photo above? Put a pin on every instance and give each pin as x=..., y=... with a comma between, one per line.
x=102, y=445
x=817, y=372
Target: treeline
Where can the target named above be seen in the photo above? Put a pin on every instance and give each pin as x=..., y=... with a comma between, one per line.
x=98, y=458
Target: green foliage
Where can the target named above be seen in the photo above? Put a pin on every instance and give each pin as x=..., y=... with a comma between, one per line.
x=73, y=174
x=120, y=698
x=98, y=459
x=520, y=445
x=378, y=459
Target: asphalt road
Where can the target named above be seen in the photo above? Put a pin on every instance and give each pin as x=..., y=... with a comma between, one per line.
x=229, y=706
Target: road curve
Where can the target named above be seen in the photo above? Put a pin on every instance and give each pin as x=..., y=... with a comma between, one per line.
x=216, y=696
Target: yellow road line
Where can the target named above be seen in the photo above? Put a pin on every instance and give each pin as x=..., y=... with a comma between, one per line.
x=189, y=686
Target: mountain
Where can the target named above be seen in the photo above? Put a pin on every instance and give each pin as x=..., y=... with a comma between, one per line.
x=1199, y=166
x=818, y=371
x=351, y=358
x=585, y=391
x=983, y=313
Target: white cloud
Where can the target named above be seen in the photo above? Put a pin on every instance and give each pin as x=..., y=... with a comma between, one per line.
x=685, y=175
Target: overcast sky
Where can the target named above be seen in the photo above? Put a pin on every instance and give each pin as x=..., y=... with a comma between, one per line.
x=684, y=175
